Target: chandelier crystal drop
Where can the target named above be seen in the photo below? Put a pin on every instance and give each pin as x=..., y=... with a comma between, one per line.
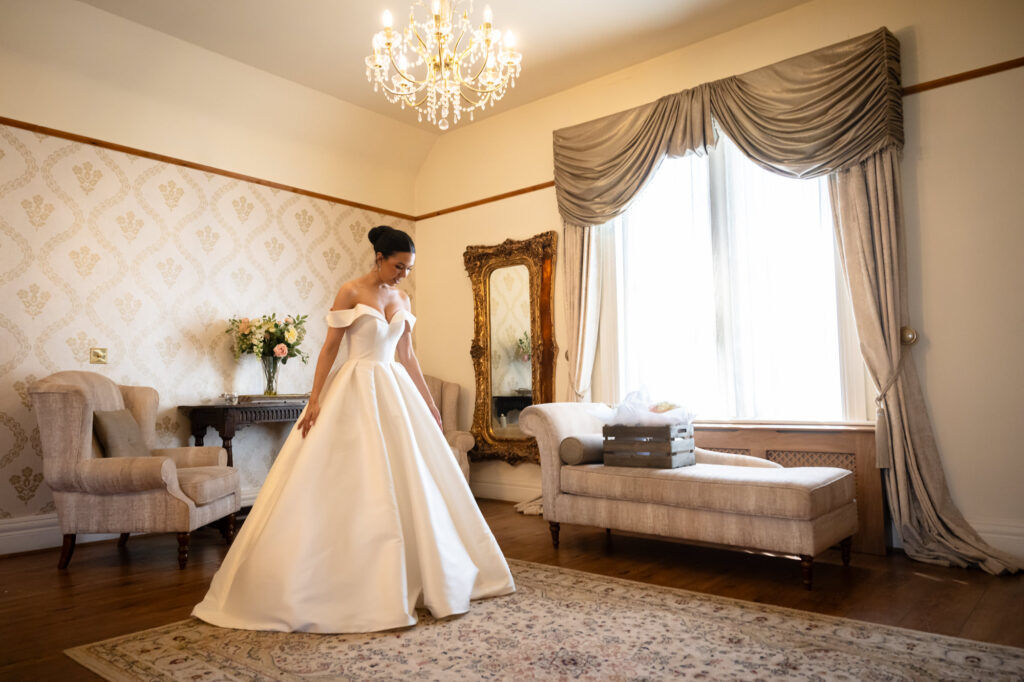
x=443, y=67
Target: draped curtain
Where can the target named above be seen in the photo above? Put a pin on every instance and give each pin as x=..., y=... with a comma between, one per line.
x=836, y=112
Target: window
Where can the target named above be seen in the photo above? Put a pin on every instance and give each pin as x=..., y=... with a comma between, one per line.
x=723, y=292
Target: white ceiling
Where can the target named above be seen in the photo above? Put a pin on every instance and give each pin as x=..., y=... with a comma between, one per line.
x=322, y=43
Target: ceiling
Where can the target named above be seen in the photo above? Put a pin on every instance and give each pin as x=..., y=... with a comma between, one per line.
x=322, y=43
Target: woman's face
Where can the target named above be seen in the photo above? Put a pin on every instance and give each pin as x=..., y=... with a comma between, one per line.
x=396, y=267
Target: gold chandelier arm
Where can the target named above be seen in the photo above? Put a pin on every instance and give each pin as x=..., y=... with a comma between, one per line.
x=401, y=73
x=487, y=91
x=403, y=95
x=417, y=34
x=455, y=47
x=462, y=81
x=471, y=102
x=417, y=105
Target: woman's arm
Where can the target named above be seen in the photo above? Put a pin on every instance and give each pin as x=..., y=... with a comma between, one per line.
x=407, y=358
x=324, y=362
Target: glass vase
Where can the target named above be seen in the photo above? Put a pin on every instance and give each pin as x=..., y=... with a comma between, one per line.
x=270, y=366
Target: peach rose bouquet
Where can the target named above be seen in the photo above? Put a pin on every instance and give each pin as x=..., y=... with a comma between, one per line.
x=268, y=337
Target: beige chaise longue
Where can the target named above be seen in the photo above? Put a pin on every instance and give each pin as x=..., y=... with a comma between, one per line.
x=723, y=499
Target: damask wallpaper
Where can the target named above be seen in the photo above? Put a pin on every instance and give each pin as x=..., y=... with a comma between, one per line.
x=149, y=260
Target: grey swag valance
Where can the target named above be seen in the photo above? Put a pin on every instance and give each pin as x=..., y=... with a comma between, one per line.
x=803, y=117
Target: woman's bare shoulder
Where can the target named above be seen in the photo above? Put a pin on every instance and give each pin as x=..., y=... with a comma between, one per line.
x=347, y=296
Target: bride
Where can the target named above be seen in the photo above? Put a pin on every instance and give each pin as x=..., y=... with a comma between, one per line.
x=364, y=515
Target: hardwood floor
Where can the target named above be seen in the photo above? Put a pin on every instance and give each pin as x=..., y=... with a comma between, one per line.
x=109, y=591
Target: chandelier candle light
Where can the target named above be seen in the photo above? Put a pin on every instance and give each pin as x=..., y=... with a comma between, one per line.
x=443, y=67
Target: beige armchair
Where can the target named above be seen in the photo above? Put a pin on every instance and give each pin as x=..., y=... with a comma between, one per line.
x=172, y=490
x=446, y=395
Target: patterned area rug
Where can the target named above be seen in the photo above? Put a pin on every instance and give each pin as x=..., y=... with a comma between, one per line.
x=566, y=625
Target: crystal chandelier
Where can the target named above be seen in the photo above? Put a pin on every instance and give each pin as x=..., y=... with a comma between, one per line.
x=443, y=67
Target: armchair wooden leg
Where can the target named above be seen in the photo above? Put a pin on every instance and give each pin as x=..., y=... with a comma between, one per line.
x=844, y=547
x=123, y=540
x=807, y=568
x=227, y=528
x=183, y=539
x=66, y=551
x=554, y=533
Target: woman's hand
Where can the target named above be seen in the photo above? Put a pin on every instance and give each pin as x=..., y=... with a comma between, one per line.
x=437, y=416
x=309, y=418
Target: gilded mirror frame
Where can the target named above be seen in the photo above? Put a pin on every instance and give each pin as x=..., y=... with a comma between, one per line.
x=538, y=255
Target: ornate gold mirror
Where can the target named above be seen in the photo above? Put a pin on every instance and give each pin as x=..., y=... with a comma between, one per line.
x=514, y=341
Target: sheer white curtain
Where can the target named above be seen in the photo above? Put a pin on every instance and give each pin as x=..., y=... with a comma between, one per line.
x=722, y=287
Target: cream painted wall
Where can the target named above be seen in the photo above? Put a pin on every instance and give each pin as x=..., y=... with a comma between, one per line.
x=445, y=316
x=963, y=219
x=72, y=67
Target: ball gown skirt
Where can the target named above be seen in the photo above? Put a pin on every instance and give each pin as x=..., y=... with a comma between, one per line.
x=366, y=518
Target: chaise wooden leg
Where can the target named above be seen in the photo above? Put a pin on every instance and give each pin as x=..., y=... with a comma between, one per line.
x=123, y=540
x=227, y=528
x=183, y=539
x=844, y=547
x=807, y=568
x=66, y=551
x=554, y=533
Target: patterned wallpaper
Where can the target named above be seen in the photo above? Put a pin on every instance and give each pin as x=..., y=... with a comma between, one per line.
x=149, y=259
x=510, y=318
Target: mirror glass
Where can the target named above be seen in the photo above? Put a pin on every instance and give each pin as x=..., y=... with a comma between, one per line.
x=511, y=349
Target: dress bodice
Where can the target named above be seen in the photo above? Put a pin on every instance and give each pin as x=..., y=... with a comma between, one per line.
x=371, y=336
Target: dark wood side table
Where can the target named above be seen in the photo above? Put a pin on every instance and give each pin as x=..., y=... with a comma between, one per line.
x=227, y=419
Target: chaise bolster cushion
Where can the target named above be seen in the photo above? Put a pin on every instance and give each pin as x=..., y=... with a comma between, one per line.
x=206, y=484
x=792, y=493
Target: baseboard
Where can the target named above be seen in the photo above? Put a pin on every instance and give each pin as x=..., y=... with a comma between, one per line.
x=42, y=531
x=1003, y=534
x=499, y=490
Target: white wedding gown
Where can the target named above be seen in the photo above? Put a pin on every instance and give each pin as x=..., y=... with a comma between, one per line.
x=367, y=517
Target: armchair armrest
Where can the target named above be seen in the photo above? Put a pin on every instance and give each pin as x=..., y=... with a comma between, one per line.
x=202, y=456
x=463, y=441
x=125, y=475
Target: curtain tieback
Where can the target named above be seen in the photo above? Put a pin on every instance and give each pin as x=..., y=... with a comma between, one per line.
x=883, y=443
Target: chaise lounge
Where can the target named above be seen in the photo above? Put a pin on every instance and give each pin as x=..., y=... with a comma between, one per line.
x=724, y=499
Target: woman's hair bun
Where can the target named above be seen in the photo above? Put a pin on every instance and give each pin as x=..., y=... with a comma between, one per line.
x=377, y=232
x=387, y=240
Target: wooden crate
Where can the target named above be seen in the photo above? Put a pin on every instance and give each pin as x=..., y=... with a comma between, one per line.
x=660, y=447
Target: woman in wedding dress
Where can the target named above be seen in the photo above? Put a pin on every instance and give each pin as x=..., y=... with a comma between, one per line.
x=365, y=514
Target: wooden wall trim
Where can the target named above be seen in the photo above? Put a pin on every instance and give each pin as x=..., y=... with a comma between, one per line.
x=964, y=76
x=908, y=90
x=487, y=200
x=113, y=146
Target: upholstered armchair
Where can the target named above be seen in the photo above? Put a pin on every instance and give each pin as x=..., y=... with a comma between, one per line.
x=446, y=395
x=172, y=490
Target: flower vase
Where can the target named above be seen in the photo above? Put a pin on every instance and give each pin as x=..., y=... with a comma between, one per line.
x=270, y=366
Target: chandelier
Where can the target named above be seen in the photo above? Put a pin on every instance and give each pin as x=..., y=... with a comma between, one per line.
x=443, y=67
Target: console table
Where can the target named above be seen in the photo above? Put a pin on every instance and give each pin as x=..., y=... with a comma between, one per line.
x=226, y=419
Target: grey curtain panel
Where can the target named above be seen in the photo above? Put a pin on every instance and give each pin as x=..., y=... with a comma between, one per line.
x=837, y=111
x=868, y=210
x=582, y=307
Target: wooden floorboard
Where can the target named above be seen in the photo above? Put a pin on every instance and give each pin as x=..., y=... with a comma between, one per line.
x=109, y=591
